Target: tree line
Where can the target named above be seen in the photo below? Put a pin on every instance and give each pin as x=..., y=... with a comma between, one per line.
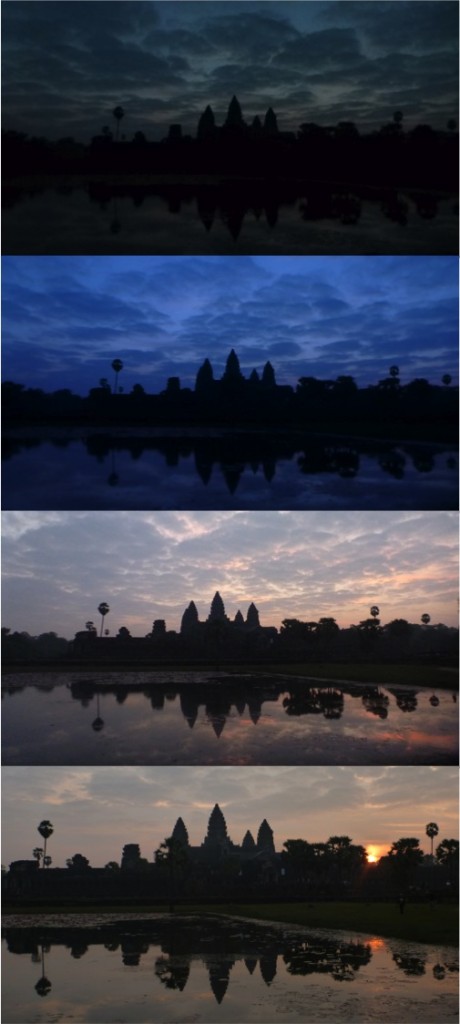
x=398, y=641
x=336, y=868
x=417, y=408
x=390, y=155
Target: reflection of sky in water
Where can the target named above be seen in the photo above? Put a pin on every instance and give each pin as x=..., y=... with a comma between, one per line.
x=53, y=222
x=53, y=477
x=50, y=727
x=391, y=981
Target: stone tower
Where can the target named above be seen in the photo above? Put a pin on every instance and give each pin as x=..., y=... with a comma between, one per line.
x=179, y=833
x=217, y=611
x=252, y=618
x=217, y=842
x=189, y=618
x=265, y=838
x=248, y=845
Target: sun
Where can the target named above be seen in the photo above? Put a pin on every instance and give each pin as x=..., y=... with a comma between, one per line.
x=372, y=853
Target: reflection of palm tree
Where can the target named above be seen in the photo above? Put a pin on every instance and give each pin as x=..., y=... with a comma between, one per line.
x=98, y=723
x=113, y=477
x=432, y=831
x=103, y=610
x=43, y=985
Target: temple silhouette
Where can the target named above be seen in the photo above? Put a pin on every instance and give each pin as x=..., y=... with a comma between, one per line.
x=216, y=633
x=217, y=845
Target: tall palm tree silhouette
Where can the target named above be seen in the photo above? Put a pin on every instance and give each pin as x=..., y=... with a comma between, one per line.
x=432, y=831
x=103, y=610
x=117, y=365
x=118, y=114
x=46, y=829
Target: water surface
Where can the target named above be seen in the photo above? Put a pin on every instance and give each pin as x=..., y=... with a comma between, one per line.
x=210, y=971
x=128, y=718
x=185, y=219
x=101, y=472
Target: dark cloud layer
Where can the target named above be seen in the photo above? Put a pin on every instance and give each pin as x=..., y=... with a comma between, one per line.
x=66, y=64
x=66, y=318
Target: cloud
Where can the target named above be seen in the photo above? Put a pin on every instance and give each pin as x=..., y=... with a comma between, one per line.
x=108, y=807
x=163, y=62
x=58, y=566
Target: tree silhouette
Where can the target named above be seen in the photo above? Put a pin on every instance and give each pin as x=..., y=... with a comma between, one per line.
x=432, y=831
x=103, y=610
x=38, y=853
x=447, y=379
x=447, y=851
x=118, y=114
x=172, y=855
x=117, y=365
x=394, y=371
x=46, y=829
x=425, y=618
x=375, y=611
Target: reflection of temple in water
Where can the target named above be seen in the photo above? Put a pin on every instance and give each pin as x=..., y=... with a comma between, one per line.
x=180, y=944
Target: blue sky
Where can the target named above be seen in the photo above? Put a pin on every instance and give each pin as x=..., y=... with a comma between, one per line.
x=95, y=811
x=66, y=318
x=59, y=566
x=67, y=64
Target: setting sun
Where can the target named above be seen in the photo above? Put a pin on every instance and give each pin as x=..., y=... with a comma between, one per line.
x=373, y=854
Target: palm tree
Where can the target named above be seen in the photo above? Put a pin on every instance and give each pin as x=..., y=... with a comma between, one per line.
x=425, y=618
x=394, y=371
x=432, y=831
x=47, y=861
x=375, y=611
x=46, y=829
x=117, y=365
x=38, y=853
x=447, y=379
x=118, y=113
x=103, y=610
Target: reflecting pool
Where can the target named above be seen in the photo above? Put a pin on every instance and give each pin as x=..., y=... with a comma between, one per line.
x=181, y=219
x=133, y=718
x=100, y=471
x=193, y=970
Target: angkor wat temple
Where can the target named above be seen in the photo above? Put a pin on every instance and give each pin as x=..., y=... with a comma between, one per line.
x=217, y=845
x=195, y=639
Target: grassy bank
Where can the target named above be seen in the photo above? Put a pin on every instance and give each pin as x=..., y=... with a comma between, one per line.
x=445, y=677
x=420, y=922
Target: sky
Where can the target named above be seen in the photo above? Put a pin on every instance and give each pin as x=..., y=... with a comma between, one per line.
x=95, y=811
x=59, y=566
x=66, y=318
x=67, y=64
